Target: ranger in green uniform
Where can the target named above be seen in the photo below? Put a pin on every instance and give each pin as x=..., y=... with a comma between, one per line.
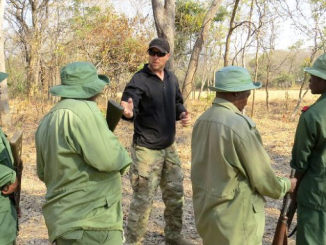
x=8, y=184
x=80, y=161
x=230, y=170
x=309, y=161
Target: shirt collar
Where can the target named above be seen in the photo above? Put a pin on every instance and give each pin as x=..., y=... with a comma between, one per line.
x=323, y=96
x=227, y=104
x=148, y=71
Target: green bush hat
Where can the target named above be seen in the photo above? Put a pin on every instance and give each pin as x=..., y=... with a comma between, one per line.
x=3, y=76
x=79, y=80
x=233, y=79
x=318, y=69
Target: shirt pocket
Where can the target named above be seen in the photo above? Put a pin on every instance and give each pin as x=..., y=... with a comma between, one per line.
x=73, y=235
x=102, y=207
x=258, y=207
x=4, y=204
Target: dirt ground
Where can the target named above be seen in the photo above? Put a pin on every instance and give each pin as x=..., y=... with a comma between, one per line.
x=276, y=128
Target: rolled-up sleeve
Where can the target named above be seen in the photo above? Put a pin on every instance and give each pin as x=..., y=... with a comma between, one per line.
x=7, y=176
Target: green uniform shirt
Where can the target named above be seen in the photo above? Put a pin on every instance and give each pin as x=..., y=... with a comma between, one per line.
x=230, y=174
x=8, y=215
x=309, y=155
x=80, y=160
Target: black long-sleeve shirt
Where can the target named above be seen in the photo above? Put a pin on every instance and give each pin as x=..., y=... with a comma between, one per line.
x=157, y=106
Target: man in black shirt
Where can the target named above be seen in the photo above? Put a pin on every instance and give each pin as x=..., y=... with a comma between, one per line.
x=153, y=101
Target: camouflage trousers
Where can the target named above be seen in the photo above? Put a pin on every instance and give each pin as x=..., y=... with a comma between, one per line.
x=151, y=168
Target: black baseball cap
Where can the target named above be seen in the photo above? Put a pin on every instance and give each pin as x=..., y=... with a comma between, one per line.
x=161, y=44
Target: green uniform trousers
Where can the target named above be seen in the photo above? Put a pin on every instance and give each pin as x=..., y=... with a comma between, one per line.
x=85, y=237
x=11, y=243
x=311, y=227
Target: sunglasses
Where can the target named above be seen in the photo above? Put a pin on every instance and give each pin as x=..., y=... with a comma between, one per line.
x=158, y=54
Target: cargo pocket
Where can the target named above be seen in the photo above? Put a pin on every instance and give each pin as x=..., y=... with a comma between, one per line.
x=134, y=181
x=138, y=182
x=259, y=214
x=70, y=237
x=105, y=210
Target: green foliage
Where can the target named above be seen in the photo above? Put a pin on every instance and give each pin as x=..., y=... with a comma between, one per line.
x=209, y=98
x=296, y=46
x=320, y=3
x=80, y=7
x=105, y=38
x=141, y=66
x=188, y=21
x=189, y=16
x=16, y=81
x=222, y=14
x=284, y=80
x=285, y=67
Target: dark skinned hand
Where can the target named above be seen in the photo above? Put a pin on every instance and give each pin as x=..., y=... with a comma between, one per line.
x=9, y=189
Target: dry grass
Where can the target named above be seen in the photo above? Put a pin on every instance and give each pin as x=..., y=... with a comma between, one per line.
x=275, y=126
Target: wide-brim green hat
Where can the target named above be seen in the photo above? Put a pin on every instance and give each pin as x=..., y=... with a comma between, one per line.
x=233, y=79
x=3, y=76
x=318, y=69
x=79, y=80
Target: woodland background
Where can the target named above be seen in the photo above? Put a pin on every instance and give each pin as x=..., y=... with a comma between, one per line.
x=41, y=36
x=38, y=37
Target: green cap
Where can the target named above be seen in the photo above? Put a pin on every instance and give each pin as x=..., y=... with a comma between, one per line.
x=233, y=79
x=318, y=69
x=79, y=80
x=3, y=76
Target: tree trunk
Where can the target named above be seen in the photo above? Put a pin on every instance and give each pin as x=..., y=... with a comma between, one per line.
x=256, y=75
x=249, y=34
x=204, y=76
x=266, y=89
x=164, y=17
x=231, y=29
x=33, y=71
x=32, y=30
x=35, y=44
x=301, y=96
x=4, y=100
x=193, y=64
x=295, y=110
x=203, y=82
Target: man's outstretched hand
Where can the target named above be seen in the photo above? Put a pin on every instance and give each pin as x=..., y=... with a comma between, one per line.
x=128, y=108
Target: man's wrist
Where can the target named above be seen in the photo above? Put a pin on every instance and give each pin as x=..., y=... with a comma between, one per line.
x=130, y=115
